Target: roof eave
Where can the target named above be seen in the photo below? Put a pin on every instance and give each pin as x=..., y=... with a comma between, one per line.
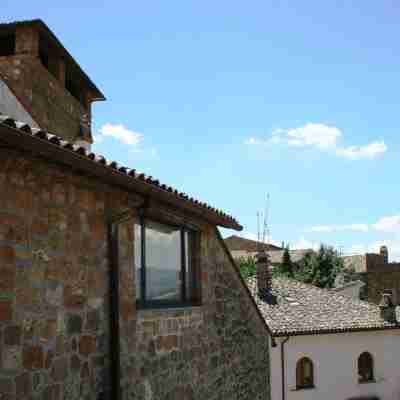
x=333, y=331
x=43, y=148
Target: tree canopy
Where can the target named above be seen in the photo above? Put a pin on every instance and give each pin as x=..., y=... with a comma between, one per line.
x=317, y=268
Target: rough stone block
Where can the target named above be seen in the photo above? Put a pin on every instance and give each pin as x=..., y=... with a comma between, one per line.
x=12, y=335
x=23, y=385
x=12, y=358
x=74, y=324
x=59, y=370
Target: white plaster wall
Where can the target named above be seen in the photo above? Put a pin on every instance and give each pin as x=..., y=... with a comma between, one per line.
x=9, y=105
x=335, y=366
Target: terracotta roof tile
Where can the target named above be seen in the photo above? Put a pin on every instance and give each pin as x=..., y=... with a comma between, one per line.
x=301, y=309
x=131, y=174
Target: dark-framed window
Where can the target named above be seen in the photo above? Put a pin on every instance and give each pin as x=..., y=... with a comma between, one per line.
x=304, y=373
x=166, y=264
x=365, y=368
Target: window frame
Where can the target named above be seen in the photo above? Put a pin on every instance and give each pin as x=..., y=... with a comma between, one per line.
x=186, y=300
x=370, y=367
x=300, y=385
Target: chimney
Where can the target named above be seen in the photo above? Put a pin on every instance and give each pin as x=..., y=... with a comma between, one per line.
x=384, y=252
x=263, y=273
x=387, y=307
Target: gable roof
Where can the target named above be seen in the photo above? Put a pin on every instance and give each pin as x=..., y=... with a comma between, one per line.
x=50, y=147
x=45, y=30
x=235, y=242
x=294, y=308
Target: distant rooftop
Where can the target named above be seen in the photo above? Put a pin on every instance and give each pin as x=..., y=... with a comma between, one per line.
x=235, y=243
x=300, y=309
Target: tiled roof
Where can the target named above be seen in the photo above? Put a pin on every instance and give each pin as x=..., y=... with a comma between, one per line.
x=22, y=135
x=295, y=308
x=235, y=242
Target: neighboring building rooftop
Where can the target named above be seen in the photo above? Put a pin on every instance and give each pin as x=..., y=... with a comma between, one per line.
x=295, y=308
x=235, y=243
x=51, y=147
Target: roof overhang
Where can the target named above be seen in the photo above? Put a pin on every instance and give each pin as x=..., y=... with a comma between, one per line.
x=53, y=149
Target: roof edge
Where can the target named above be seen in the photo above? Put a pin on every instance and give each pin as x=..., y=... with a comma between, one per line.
x=335, y=331
x=53, y=148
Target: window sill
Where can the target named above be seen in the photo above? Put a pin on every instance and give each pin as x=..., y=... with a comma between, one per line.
x=298, y=389
x=168, y=308
x=366, y=382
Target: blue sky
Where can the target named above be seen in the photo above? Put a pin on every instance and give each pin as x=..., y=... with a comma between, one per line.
x=230, y=100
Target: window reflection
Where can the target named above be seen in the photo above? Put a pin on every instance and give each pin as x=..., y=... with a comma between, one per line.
x=163, y=262
x=138, y=259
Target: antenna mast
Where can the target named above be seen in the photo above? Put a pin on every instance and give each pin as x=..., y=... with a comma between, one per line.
x=266, y=230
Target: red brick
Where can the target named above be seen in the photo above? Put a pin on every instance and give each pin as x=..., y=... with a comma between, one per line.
x=7, y=274
x=87, y=345
x=6, y=311
x=33, y=357
x=7, y=255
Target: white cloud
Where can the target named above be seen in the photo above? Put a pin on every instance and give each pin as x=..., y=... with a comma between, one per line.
x=371, y=150
x=388, y=224
x=339, y=228
x=120, y=133
x=322, y=137
x=318, y=135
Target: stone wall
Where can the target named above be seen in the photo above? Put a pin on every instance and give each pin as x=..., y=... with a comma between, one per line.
x=54, y=294
x=50, y=105
x=216, y=351
x=378, y=281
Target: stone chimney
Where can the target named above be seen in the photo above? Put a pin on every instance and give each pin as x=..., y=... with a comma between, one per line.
x=264, y=276
x=41, y=84
x=387, y=307
x=384, y=252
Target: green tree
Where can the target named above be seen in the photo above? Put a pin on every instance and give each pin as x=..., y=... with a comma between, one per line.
x=286, y=268
x=320, y=268
x=247, y=267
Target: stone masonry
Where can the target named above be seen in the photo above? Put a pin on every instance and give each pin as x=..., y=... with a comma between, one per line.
x=42, y=93
x=54, y=302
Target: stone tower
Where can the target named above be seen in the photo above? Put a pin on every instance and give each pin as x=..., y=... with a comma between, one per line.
x=41, y=83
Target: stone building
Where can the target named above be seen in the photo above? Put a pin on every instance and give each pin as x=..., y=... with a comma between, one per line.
x=377, y=273
x=326, y=345
x=42, y=84
x=113, y=285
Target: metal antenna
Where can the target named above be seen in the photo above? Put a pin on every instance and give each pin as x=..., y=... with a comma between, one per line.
x=258, y=231
x=266, y=230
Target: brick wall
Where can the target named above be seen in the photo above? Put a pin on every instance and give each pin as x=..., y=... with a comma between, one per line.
x=54, y=303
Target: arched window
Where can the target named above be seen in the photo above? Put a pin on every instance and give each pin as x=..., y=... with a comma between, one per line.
x=365, y=368
x=304, y=373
